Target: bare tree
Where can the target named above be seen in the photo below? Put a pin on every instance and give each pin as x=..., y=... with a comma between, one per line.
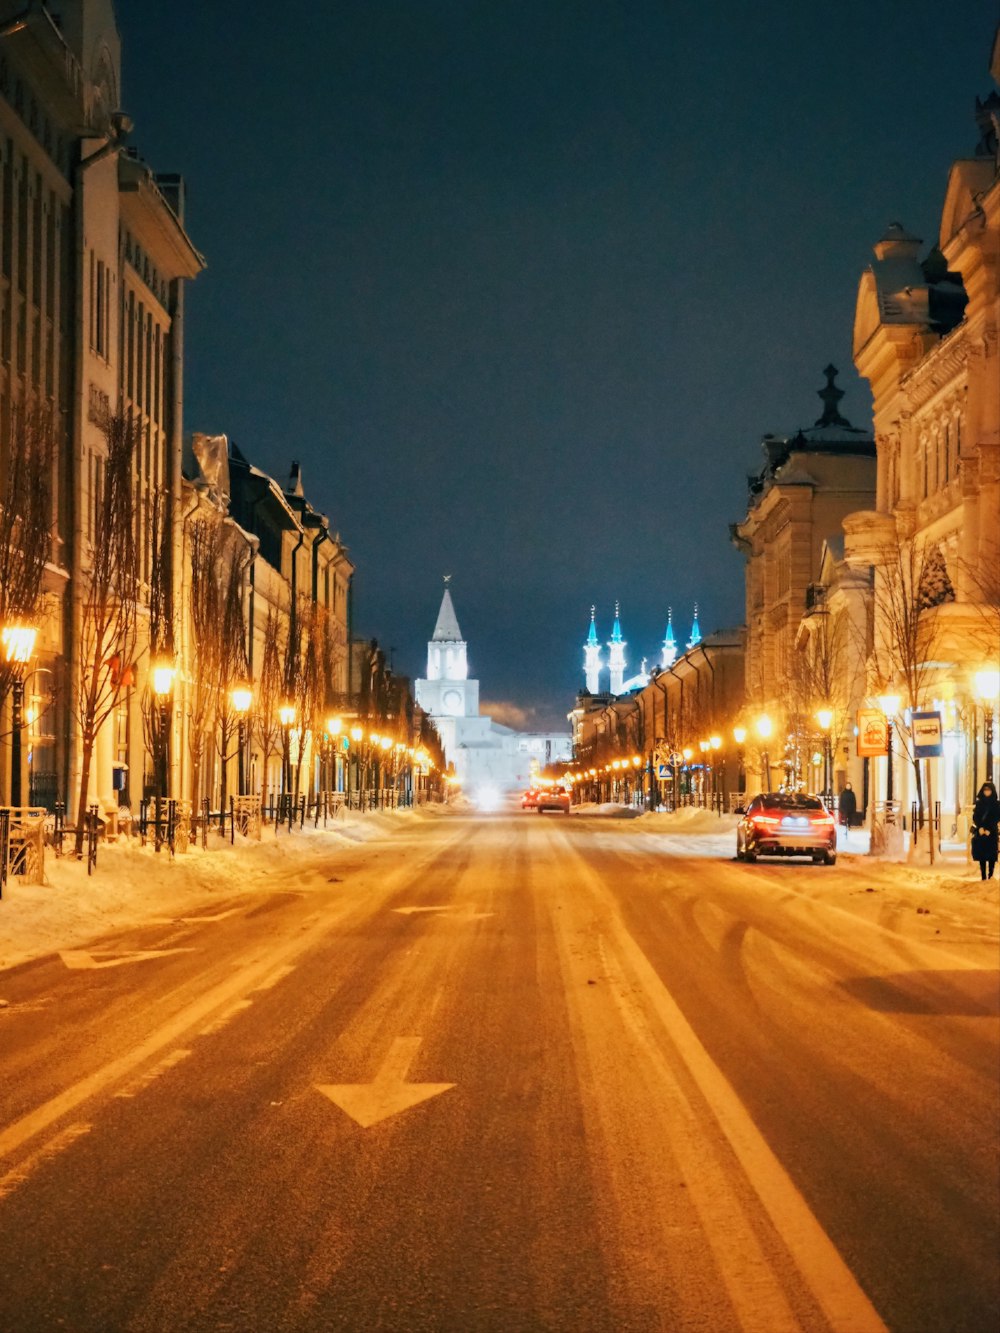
x=206, y=550
x=266, y=727
x=231, y=654
x=155, y=723
x=107, y=597
x=907, y=588
x=25, y=521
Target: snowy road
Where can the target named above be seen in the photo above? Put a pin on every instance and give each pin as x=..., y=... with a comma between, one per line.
x=515, y=1074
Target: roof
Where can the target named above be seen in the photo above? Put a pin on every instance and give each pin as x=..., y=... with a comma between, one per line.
x=446, y=630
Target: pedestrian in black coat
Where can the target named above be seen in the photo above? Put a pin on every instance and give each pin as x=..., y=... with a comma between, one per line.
x=986, y=829
x=847, y=805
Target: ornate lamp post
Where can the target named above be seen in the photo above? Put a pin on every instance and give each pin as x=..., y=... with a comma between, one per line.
x=18, y=646
x=163, y=690
x=242, y=697
x=740, y=737
x=764, y=727
x=825, y=719
x=334, y=727
x=889, y=704
x=704, y=746
x=286, y=716
x=988, y=690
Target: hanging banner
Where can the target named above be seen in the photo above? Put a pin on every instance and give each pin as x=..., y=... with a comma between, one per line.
x=873, y=735
x=927, y=738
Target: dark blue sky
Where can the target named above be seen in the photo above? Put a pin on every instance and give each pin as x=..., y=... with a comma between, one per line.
x=521, y=283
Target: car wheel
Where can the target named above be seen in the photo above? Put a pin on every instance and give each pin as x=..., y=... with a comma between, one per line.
x=829, y=858
x=749, y=856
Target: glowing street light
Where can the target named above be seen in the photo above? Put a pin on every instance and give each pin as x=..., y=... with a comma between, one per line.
x=242, y=698
x=18, y=641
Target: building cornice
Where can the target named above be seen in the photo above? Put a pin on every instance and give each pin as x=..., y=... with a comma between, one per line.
x=154, y=223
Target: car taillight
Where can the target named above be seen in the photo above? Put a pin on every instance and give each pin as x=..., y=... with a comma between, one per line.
x=826, y=819
x=765, y=819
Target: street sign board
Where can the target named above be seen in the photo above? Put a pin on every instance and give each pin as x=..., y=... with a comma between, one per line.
x=873, y=736
x=926, y=731
x=662, y=772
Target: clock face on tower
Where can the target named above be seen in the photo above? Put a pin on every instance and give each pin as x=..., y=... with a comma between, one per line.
x=452, y=703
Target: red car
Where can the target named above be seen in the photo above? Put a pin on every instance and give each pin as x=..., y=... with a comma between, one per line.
x=553, y=798
x=529, y=801
x=781, y=823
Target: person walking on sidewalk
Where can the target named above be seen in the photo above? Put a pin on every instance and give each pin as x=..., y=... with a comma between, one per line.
x=847, y=805
x=986, y=829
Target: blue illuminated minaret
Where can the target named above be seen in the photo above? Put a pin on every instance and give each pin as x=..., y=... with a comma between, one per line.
x=669, y=655
x=616, y=659
x=695, y=638
x=592, y=658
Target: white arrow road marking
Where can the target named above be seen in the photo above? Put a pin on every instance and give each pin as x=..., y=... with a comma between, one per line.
x=79, y=959
x=388, y=1093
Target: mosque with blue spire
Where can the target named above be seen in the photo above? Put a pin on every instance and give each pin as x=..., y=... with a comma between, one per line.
x=618, y=683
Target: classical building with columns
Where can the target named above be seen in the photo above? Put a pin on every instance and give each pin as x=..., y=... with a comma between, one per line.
x=927, y=339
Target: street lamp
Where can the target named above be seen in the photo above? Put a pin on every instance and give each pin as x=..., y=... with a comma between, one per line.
x=988, y=690
x=242, y=697
x=889, y=704
x=286, y=716
x=824, y=717
x=163, y=673
x=18, y=642
x=740, y=737
x=764, y=727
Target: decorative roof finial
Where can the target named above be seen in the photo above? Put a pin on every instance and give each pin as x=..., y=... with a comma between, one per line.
x=695, y=638
x=447, y=579
x=831, y=396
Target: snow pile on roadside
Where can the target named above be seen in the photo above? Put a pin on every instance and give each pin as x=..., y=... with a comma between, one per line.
x=607, y=810
x=133, y=883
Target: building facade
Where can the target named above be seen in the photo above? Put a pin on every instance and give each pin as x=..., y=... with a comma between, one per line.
x=927, y=339
x=811, y=480
x=95, y=259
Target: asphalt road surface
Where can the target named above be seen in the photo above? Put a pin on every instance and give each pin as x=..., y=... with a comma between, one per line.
x=510, y=1074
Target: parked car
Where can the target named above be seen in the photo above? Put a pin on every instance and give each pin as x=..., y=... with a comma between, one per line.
x=529, y=801
x=786, y=824
x=553, y=798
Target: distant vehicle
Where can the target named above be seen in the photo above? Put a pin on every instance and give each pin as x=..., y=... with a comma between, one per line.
x=553, y=798
x=786, y=824
x=529, y=801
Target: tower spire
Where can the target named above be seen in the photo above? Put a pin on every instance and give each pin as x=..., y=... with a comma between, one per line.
x=592, y=657
x=616, y=660
x=695, y=638
x=669, y=655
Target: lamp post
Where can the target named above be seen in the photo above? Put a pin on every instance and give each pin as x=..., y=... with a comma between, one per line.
x=889, y=704
x=988, y=690
x=704, y=747
x=286, y=716
x=163, y=688
x=825, y=719
x=334, y=726
x=242, y=697
x=764, y=727
x=18, y=646
x=740, y=736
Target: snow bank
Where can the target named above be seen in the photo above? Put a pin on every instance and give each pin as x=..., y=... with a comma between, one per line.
x=133, y=884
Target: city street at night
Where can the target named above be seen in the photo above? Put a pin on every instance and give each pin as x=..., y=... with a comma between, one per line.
x=511, y=1072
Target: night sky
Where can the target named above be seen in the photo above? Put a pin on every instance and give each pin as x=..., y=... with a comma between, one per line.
x=521, y=284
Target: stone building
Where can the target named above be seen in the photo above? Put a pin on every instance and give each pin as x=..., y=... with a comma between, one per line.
x=927, y=338
x=811, y=480
x=95, y=259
